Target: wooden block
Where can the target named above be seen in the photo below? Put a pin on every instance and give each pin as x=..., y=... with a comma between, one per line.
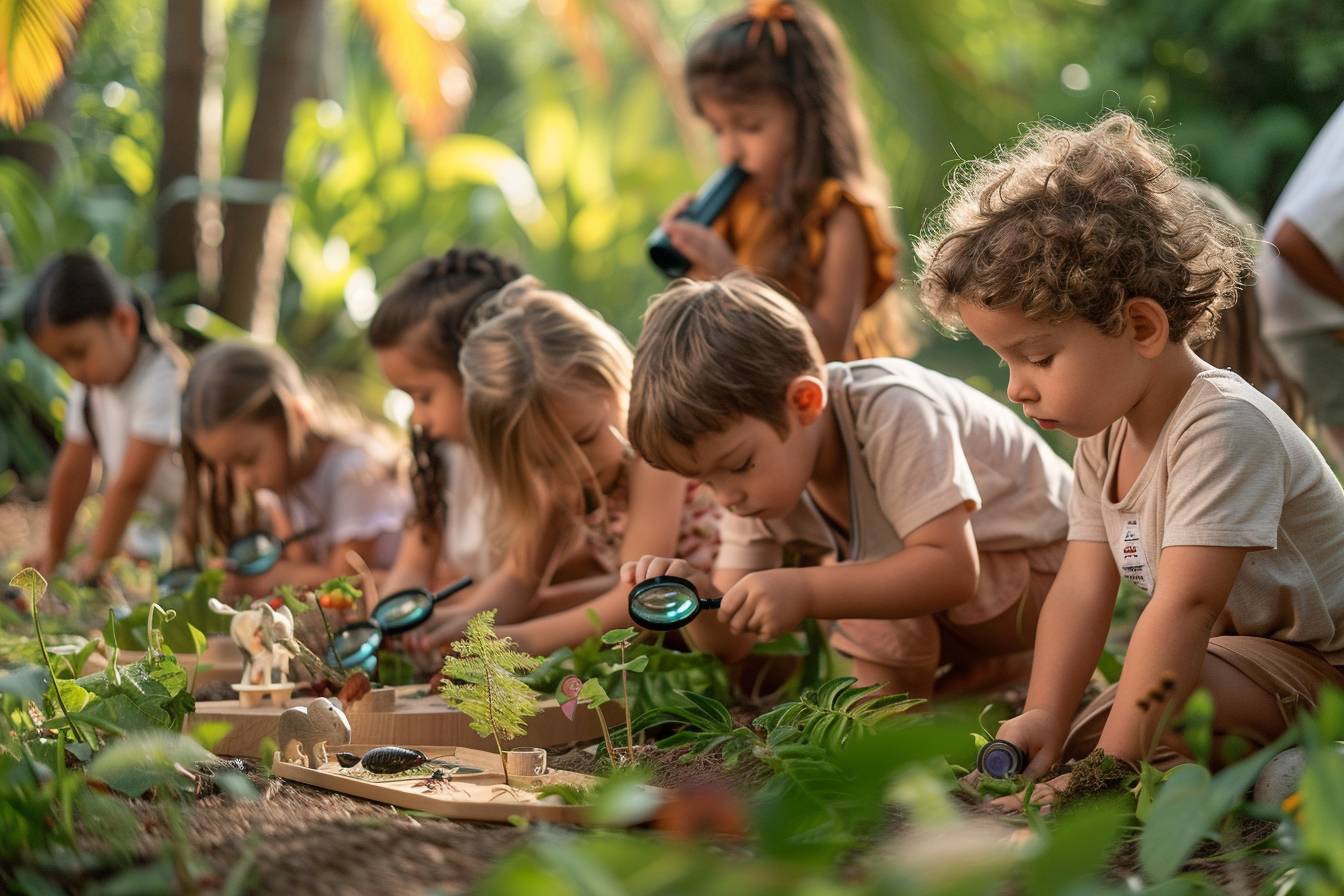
x=412, y=720
x=482, y=797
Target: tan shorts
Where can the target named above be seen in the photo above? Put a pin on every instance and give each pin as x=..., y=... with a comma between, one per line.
x=1000, y=619
x=1293, y=673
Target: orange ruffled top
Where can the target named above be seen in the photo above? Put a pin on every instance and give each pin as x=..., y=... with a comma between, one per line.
x=753, y=231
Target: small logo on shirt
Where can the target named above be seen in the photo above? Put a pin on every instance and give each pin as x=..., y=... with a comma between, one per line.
x=1132, y=560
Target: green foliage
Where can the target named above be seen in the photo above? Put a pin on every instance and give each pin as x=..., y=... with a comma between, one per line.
x=190, y=610
x=665, y=673
x=482, y=681
x=823, y=718
x=148, y=759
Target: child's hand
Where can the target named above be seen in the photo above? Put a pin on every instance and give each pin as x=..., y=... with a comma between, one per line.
x=1038, y=734
x=767, y=604
x=710, y=256
x=86, y=569
x=649, y=566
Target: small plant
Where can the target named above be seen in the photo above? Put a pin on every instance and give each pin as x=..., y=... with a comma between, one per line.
x=34, y=586
x=622, y=639
x=482, y=681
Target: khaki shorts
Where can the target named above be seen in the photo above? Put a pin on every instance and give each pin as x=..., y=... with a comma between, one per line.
x=1293, y=673
x=1012, y=588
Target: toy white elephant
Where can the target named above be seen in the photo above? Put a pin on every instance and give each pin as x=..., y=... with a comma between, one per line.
x=261, y=634
x=307, y=730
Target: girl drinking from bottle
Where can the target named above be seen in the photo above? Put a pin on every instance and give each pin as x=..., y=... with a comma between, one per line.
x=773, y=83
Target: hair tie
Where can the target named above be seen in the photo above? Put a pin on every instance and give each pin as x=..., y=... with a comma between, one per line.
x=772, y=14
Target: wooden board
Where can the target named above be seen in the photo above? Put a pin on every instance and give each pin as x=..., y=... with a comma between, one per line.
x=481, y=797
x=413, y=720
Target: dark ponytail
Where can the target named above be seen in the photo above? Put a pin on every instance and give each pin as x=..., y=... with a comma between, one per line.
x=426, y=313
x=76, y=286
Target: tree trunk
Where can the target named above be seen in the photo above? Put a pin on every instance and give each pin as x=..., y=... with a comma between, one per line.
x=184, y=57
x=287, y=55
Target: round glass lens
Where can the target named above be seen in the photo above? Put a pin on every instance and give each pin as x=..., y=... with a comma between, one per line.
x=250, y=549
x=666, y=603
x=178, y=580
x=352, y=643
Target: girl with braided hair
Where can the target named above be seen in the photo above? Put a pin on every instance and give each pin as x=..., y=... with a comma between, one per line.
x=416, y=334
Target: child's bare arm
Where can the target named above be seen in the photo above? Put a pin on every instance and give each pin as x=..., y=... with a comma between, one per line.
x=936, y=570
x=69, y=483
x=1070, y=636
x=842, y=283
x=417, y=558
x=1300, y=252
x=120, y=501
x=1169, y=642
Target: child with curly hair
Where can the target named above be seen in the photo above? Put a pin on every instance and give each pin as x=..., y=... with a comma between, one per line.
x=1087, y=264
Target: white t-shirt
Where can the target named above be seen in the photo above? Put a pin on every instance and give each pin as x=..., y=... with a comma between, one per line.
x=353, y=495
x=465, y=540
x=1229, y=469
x=1314, y=201
x=145, y=405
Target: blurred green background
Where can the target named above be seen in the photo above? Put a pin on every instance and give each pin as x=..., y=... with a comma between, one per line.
x=552, y=132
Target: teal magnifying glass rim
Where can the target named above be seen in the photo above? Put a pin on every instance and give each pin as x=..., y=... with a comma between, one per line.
x=697, y=603
x=368, y=634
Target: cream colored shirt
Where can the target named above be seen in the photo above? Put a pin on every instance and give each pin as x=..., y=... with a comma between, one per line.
x=1229, y=469
x=918, y=444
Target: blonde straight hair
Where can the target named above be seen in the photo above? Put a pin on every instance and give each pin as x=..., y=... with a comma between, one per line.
x=527, y=347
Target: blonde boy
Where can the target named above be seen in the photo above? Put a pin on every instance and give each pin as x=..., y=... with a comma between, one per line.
x=944, y=512
x=1081, y=258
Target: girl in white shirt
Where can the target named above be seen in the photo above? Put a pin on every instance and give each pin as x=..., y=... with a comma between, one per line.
x=123, y=409
x=252, y=429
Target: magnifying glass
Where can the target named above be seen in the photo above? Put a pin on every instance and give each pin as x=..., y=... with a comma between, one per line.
x=250, y=555
x=258, y=552
x=1000, y=759
x=663, y=603
x=708, y=204
x=356, y=645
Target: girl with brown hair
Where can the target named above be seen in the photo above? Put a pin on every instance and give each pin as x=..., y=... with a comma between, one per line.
x=773, y=82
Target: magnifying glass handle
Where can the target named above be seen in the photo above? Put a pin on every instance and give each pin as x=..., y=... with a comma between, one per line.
x=710, y=603
x=299, y=536
x=464, y=582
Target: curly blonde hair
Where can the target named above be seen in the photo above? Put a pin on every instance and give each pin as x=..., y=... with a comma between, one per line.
x=1074, y=223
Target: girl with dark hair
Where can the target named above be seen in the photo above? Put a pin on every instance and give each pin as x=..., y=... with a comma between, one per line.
x=123, y=410
x=417, y=335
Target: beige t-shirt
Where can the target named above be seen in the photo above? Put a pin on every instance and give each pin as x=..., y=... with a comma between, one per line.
x=465, y=540
x=918, y=444
x=1230, y=469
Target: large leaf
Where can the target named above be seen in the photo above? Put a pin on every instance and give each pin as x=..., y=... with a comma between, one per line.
x=36, y=39
x=421, y=56
x=147, y=759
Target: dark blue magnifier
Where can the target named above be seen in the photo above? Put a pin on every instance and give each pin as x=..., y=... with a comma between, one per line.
x=356, y=645
x=251, y=555
x=1000, y=759
x=663, y=603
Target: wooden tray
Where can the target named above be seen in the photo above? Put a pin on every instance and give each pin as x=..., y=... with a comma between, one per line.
x=408, y=720
x=476, y=797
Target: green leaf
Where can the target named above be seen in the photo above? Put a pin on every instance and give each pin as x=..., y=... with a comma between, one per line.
x=198, y=639
x=207, y=734
x=74, y=696
x=146, y=759
x=26, y=682
x=1109, y=666
x=1076, y=848
x=593, y=693
x=619, y=635
x=638, y=664
x=32, y=583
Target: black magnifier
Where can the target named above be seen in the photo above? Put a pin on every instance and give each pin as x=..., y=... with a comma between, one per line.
x=708, y=204
x=250, y=555
x=356, y=645
x=663, y=603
